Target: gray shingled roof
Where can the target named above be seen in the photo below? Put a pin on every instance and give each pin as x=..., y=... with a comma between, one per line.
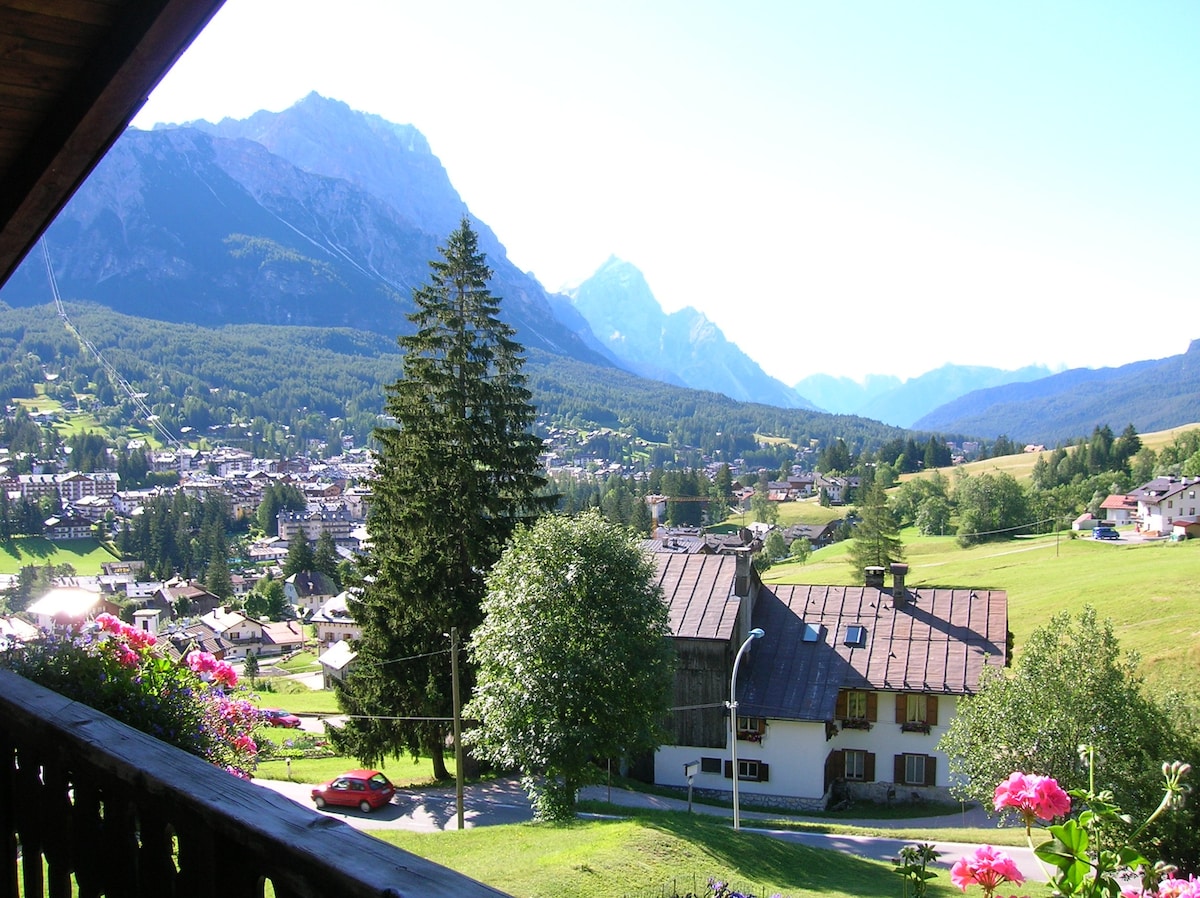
x=698, y=590
x=938, y=642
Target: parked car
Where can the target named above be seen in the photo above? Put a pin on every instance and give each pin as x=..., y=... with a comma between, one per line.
x=277, y=717
x=1105, y=533
x=362, y=789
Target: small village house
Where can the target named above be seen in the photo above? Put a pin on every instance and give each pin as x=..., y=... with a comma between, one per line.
x=846, y=694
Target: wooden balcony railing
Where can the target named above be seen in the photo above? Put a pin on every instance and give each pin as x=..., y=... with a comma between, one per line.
x=89, y=806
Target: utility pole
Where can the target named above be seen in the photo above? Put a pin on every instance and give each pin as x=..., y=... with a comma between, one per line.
x=458, y=749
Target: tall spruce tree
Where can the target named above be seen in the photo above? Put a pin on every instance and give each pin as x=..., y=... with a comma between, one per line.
x=453, y=478
x=876, y=537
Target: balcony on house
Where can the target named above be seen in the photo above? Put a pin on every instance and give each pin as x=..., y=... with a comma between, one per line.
x=87, y=798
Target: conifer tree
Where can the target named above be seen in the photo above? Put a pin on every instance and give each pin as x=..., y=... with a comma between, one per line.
x=325, y=557
x=876, y=538
x=453, y=478
x=299, y=555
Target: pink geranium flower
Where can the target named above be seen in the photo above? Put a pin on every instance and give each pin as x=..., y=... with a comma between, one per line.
x=988, y=868
x=1179, y=888
x=1035, y=797
x=202, y=663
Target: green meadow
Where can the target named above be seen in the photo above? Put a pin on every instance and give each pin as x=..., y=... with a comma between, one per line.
x=1150, y=590
x=651, y=855
x=84, y=555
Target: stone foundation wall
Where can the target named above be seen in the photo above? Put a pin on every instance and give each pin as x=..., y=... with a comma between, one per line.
x=890, y=793
x=758, y=802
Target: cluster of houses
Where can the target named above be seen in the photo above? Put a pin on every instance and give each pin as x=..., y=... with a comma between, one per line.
x=334, y=500
x=188, y=617
x=1164, y=507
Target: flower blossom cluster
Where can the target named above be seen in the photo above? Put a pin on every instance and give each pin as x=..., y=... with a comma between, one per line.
x=1033, y=797
x=210, y=670
x=988, y=867
x=122, y=671
x=1169, y=888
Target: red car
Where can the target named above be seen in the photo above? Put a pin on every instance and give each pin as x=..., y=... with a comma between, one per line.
x=277, y=717
x=363, y=789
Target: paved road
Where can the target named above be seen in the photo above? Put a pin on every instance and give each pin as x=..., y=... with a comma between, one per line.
x=503, y=801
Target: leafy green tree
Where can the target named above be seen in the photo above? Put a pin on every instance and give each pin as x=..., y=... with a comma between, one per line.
x=761, y=507
x=454, y=477
x=800, y=550
x=1070, y=686
x=990, y=506
x=933, y=516
x=574, y=657
x=876, y=540
x=775, y=546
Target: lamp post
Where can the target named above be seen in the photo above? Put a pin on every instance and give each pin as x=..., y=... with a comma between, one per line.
x=756, y=633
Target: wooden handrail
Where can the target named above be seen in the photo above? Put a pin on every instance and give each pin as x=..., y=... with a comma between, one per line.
x=129, y=815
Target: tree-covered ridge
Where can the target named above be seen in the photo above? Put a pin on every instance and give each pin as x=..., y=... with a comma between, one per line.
x=276, y=388
x=575, y=392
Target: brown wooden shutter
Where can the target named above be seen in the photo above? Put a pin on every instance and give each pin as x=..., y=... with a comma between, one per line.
x=898, y=770
x=835, y=767
x=872, y=706
x=931, y=710
x=839, y=709
x=901, y=707
x=869, y=768
x=728, y=769
x=930, y=770
x=762, y=772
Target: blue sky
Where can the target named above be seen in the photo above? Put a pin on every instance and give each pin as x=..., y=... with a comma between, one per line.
x=843, y=188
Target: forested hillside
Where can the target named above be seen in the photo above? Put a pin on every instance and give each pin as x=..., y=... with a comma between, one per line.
x=276, y=387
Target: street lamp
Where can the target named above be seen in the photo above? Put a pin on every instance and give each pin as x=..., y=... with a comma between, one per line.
x=756, y=633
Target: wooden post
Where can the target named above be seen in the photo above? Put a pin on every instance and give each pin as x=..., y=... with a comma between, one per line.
x=458, y=752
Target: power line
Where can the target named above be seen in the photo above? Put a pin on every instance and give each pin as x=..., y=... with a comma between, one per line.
x=113, y=374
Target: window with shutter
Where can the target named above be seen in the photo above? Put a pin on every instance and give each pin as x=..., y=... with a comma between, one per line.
x=914, y=770
x=856, y=765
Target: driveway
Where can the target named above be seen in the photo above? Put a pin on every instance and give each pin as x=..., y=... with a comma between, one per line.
x=504, y=801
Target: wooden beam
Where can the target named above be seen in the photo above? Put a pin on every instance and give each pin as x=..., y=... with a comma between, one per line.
x=144, y=41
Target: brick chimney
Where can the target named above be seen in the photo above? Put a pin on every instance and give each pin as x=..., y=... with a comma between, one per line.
x=899, y=593
x=873, y=576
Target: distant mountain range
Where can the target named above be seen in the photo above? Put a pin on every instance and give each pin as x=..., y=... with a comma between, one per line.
x=1150, y=395
x=322, y=216
x=889, y=399
x=682, y=348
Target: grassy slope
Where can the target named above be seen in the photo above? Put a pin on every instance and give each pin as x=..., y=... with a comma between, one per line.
x=1150, y=591
x=643, y=857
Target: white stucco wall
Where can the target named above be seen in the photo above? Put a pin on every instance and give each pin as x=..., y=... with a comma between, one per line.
x=795, y=752
x=886, y=740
